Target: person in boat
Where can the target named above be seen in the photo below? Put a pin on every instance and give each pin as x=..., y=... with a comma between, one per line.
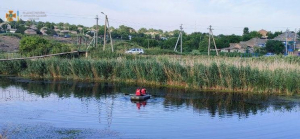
x=141, y=92
x=144, y=91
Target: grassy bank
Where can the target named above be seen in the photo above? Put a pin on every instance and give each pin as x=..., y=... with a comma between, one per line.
x=204, y=73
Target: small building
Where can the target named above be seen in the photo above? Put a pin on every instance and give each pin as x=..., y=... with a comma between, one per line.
x=30, y=32
x=238, y=48
x=245, y=46
x=33, y=27
x=43, y=30
x=263, y=34
x=73, y=32
x=12, y=30
x=290, y=38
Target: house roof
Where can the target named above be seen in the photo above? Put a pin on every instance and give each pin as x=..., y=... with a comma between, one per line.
x=30, y=31
x=263, y=33
x=64, y=31
x=245, y=44
x=251, y=43
x=282, y=37
x=33, y=27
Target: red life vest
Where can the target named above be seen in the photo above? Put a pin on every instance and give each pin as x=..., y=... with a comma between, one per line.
x=144, y=91
x=138, y=92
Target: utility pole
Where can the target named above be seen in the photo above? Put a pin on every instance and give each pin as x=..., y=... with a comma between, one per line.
x=286, y=35
x=179, y=37
x=295, y=39
x=104, y=39
x=211, y=35
x=109, y=31
x=111, y=40
x=96, y=41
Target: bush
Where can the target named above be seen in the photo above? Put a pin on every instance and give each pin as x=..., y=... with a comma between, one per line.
x=275, y=47
x=35, y=45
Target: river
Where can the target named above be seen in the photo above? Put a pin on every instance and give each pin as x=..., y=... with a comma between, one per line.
x=70, y=109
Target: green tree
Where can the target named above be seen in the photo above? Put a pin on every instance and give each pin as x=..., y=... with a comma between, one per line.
x=276, y=47
x=34, y=45
x=142, y=30
x=223, y=41
x=273, y=35
x=4, y=26
x=73, y=28
x=60, y=25
x=21, y=29
x=51, y=32
x=49, y=25
x=1, y=21
x=66, y=26
x=40, y=25
x=203, y=44
x=28, y=23
x=252, y=34
x=246, y=31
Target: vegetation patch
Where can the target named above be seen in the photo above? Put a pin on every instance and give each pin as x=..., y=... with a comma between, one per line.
x=204, y=73
x=35, y=46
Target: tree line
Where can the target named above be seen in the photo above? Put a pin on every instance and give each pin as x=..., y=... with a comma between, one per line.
x=147, y=38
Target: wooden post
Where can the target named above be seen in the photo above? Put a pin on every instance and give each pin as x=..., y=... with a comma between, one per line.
x=208, y=44
x=215, y=44
x=96, y=41
x=109, y=31
x=104, y=40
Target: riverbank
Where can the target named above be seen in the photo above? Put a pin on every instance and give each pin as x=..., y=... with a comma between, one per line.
x=202, y=73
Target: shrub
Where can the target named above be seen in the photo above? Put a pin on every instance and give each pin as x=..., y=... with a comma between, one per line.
x=36, y=45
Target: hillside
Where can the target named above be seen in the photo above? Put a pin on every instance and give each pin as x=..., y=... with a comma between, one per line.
x=9, y=43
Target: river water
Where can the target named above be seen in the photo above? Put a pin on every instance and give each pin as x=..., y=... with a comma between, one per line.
x=69, y=109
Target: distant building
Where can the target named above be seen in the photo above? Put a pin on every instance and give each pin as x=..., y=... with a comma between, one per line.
x=43, y=30
x=73, y=32
x=30, y=32
x=33, y=27
x=263, y=34
x=245, y=46
x=237, y=47
x=289, y=38
x=12, y=30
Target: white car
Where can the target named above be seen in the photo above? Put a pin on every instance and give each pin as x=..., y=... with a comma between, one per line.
x=135, y=51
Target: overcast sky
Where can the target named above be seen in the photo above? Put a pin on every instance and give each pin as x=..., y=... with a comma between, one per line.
x=226, y=16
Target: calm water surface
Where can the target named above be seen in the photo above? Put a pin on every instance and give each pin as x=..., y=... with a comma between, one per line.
x=65, y=109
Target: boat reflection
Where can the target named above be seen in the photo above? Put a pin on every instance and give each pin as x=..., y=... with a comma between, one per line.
x=139, y=104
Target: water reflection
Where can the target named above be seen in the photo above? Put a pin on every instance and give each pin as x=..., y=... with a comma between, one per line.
x=139, y=104
x=216, y=104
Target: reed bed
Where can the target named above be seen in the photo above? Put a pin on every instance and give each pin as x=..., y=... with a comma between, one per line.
x=261, y=63
x=203, y=73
